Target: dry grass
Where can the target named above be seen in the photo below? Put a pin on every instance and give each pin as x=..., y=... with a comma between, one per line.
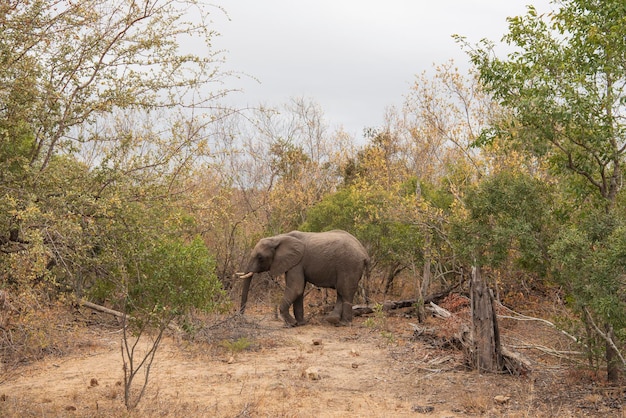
x=252, y=366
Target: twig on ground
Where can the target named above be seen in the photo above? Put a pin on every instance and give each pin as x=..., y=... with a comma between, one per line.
x=547, y=350
x=520, y=317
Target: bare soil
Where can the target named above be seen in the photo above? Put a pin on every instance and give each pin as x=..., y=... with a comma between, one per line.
x=255, y=367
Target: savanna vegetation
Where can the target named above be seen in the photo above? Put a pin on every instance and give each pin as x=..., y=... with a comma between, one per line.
x=125, y=181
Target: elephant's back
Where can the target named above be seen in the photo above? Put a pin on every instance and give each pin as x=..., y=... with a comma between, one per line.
x=338, y=245
x=333, y=245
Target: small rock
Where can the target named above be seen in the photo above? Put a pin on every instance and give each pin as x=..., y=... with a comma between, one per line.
x=231, y=360
x=317, y=341
x=70, y=408
x=93, y=382
x=355, y=366
x=312, y=373
x=354, y=353
x=501, y=399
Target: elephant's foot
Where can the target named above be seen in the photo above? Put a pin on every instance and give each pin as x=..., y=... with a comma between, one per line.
x=301, y=322
x=289, y=320
x=333, y=319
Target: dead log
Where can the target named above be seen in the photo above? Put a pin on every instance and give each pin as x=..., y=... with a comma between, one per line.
x=439, y=311
x=358, y=310
x=486, y=350
x=171, y=325
x=100, y=308
x=515, y=363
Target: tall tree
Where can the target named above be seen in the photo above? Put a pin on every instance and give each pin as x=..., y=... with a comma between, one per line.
x=103, y=78
x=99, y=104
x=443, y=116
x=565, y=84
x=64, y=63
x=303, y=158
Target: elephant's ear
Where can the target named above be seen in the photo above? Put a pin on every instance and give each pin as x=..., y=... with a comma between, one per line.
x=289, y=252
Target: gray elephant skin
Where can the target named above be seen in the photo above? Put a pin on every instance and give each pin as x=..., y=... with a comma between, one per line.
x=333, y=259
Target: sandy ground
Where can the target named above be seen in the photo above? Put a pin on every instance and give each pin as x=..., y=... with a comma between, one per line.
x=374, y=368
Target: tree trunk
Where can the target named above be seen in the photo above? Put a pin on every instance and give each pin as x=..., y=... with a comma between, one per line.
x=612, y=360
x=426, y=274
x=394, y=270
x=487, y=355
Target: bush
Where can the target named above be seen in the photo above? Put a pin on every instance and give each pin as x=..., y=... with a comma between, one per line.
x=173, y=278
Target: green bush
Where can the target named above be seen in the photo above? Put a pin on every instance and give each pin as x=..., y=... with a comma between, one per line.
x=173, y=278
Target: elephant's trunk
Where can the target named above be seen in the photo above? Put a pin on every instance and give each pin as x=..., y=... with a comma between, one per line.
x=244, y=292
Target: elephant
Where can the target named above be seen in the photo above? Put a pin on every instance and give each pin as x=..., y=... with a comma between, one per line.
x=333, y=259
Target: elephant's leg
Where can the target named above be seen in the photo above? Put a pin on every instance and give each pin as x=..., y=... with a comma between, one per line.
x=294, y=290
x=298, y=310
x=346, y=314
x=346, y=308
x=335, y=316
x=284, y=310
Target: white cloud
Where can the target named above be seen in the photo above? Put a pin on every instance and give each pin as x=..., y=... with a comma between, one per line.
x=354, y=58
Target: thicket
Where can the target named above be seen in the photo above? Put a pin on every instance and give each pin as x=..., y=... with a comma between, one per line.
x=125, y=182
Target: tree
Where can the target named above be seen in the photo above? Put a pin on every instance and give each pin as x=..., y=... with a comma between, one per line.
x=290, y=161
x=162, y=281
x=565, y=85
x=102, y=122
x=83, y=59
x=508, y=220
x=77, y=79
x=443, y=116
x=441, y=120
x=371, y=213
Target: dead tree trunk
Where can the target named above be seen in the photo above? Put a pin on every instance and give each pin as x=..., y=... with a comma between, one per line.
x=426, y=277
x=487, y=352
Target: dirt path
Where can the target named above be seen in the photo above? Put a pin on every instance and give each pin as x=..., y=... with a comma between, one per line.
x=313, y=371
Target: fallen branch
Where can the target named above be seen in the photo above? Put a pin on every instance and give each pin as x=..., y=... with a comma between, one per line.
x=171, y=325
x=358, y=310
x=512, y=362
x=100, y=308
x=550, y=351
x=439, y=311
x=519, y=317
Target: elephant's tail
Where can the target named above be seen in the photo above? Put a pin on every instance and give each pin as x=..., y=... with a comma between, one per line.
x=365, y=280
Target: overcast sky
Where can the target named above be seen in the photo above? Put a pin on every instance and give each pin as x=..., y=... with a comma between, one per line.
x=355, y=58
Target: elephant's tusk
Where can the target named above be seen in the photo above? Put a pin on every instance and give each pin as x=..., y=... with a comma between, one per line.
x=244, y=275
